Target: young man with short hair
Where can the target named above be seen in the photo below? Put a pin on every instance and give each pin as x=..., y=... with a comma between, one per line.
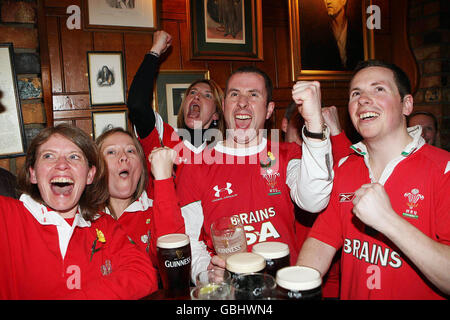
x=389, y=210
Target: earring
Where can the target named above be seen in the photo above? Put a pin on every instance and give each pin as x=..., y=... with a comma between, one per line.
x=214, y=123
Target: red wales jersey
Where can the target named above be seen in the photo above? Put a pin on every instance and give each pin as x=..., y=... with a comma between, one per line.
x=144, y=221
x=44, y=257
x=252, y=187
x=372, y=267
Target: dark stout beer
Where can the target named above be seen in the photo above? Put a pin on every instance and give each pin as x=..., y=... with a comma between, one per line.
x=276, y=255
x=299, y=283
x=245, y=262
x=174, y=262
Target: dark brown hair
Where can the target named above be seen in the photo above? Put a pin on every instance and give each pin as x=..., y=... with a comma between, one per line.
x=94, y=194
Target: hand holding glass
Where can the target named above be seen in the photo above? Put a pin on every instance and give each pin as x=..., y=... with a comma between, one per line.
x=228, y=236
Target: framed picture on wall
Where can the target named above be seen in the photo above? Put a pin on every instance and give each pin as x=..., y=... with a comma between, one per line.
x=169, y=91
x=106, y=78
x=225, y=30
x=328, y=38
x=121, y=15
x=106, y=120
x=12, y=134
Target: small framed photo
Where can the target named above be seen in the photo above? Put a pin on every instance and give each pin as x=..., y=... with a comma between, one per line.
x=169, y=91
x=121, y=15
x=106, y=120
x=12, y=133
x=225, y=30
x=106, y=78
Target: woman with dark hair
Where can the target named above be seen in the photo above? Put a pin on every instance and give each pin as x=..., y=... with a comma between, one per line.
x=201, y=109
x=143, y=219
x=54, y=241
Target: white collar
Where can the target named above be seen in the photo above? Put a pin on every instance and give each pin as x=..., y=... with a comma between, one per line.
x=47, y=217
x=142, y=204
x=417, y=143
x=241, y=152
x=415, y=132
x=193, y=148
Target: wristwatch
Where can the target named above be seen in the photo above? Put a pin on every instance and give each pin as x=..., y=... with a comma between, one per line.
x=315, y=135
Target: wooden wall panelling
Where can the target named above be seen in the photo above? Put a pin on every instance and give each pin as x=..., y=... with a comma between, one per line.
x=46, y=78
x=219, y=71
x=54, y=54
x=269, y=63
x=74, y=44
x=282, y=48
x=172, y=58
x=184, y=48
x=135, y=47
x=107, y=41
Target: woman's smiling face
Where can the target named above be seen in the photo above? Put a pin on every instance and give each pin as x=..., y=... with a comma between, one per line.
x=61, y=172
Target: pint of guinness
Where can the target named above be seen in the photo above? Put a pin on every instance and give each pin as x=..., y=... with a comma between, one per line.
x=276, y=255
x=299, y=283
x=174, y=263
x=245, y=262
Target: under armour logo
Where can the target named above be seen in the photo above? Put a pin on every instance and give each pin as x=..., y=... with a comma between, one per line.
x=218, y=191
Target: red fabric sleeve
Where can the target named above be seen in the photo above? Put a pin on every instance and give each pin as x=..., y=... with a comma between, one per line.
x=340, y=146
x=132, y=276
x=167, y=216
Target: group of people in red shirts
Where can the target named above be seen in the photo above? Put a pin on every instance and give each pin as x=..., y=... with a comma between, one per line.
x=377, y=218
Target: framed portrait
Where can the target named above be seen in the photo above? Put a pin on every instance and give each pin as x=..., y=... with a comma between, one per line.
x=225, y=30
x=106, y=78
x=328, y=38
x=121, y=15
x=169, y=91
x=12, y=133
x=106, y=120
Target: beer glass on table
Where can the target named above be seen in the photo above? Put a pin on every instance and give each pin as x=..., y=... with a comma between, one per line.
x=174, y=263
x=228, y=236
x=213, y=284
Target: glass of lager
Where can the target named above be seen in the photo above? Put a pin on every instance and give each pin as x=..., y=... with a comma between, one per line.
x=174, y=263
x=228, y=236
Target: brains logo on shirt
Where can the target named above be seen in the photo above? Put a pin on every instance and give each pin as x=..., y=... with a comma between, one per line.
x=413, y=201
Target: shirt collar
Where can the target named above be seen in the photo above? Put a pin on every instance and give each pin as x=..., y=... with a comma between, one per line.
x=241, y=152
x=415, y=132
x=45, y=216
x=141, y=204
x=193, y=148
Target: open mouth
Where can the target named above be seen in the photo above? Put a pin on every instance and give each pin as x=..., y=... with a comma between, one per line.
x=124, y=173
x=368, y=115
x=194, y=111
x=62, y=185
x=242, y=121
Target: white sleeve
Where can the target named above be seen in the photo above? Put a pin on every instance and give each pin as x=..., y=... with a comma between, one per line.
x=193, y=220
x=311, y=177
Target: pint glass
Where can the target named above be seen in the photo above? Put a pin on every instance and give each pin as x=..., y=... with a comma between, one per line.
x=276, y=255
x=228, y=236
x=174, y=262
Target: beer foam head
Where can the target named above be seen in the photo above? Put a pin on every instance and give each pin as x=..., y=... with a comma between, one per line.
x=172, y=240
x=298, y=278
x=245, y=262
x=271, y=250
